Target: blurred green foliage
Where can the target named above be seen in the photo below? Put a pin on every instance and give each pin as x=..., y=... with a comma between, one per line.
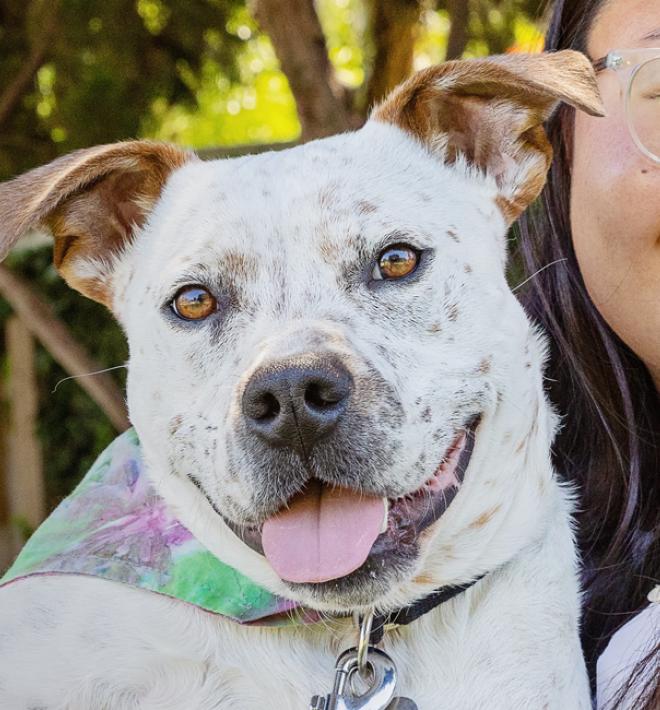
x=199, y=73
x=107, y=63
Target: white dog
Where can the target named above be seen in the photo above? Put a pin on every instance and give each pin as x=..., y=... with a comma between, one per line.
x=321, y=340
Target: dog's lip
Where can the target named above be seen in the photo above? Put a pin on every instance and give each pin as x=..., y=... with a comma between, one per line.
x=408, y=514
x=422, y=507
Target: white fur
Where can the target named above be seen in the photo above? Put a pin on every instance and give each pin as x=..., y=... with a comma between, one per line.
x=509, y=642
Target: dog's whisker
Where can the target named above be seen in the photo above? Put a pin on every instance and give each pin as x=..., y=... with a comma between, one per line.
x=324, y=620
x=293, y=615
x=543, y=268
x=87, y=374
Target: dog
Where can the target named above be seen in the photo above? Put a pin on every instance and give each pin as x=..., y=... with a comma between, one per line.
x=337, y=394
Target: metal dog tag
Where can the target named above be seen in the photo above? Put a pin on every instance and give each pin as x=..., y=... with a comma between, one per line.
x=381, y=685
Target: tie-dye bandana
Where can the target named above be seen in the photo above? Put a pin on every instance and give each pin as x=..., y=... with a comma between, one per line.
x=114, y=525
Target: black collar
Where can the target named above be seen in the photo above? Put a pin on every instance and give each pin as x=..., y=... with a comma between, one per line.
x=408, y=614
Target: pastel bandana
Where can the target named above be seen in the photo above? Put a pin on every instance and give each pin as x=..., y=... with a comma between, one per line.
x=114, y=525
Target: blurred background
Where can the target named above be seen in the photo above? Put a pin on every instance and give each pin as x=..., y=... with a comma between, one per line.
x=225, y=77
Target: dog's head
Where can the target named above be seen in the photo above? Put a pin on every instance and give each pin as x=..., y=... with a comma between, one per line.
x=324, y=351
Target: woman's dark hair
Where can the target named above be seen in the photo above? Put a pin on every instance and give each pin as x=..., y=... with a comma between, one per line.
x=609, y=444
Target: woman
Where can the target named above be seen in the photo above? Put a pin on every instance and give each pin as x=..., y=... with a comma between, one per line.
x=595, y=242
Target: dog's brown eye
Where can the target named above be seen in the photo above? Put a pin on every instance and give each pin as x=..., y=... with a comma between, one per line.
x=194, y=303
x=396, y=262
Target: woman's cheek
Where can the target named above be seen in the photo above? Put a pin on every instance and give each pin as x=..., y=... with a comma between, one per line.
x=615, y=221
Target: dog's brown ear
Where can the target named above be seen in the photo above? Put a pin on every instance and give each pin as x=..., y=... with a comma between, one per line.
x=92, y=201
x=491, y=111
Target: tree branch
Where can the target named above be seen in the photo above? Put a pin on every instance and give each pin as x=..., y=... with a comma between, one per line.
x=295, y=31
x=14, y=92
x=40, y=319
x=394, y=26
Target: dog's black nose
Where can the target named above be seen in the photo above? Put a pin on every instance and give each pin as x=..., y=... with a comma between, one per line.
x=295, y=404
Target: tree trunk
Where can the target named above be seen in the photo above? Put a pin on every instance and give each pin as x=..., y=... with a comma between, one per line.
x=394, y=27
x=459, y=14
x=295, y=31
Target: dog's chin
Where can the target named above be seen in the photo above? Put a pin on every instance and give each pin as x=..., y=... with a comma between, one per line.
x=394, y=555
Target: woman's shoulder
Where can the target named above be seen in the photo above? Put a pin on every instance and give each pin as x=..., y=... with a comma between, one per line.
x=632, y=643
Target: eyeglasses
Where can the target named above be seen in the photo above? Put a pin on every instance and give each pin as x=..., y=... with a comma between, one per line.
x=639, y=75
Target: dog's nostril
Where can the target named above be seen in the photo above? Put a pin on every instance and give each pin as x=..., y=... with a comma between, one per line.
x=322, y=395
x=261, y=404
x=266, y=407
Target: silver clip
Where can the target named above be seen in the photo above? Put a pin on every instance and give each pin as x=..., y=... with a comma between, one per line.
x=365, y=678
x=381, y=673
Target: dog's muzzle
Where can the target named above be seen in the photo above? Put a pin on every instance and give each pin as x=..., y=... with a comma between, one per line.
x=332, y=524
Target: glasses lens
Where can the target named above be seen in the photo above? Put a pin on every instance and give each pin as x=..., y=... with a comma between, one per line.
x=645, y=107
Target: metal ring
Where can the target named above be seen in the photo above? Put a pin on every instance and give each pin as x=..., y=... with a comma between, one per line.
x=363, y=642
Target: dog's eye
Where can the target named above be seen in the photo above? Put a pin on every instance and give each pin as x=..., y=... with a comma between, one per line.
x=194, y=303
x=395, y=262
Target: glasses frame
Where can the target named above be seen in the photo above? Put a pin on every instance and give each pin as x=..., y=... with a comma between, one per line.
x=626, y=63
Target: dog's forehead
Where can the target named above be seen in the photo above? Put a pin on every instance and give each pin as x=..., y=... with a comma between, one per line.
x=352, y=190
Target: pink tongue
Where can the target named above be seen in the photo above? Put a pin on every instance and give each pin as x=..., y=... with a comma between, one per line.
x=325, y=533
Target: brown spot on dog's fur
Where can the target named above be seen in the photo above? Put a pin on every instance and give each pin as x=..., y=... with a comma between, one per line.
x=328, y=250
x=484, y=518
x=241, y=264
x=434, y=328
x=452, y=312
x=426, y=414
x=521, y=445
x=485, y=366
x=366, y=207
x=467, y=268
x=423, y=579
x=451, y=232
x=175, y=424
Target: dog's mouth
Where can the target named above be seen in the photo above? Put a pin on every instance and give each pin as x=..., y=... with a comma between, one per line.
x=329, y=533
